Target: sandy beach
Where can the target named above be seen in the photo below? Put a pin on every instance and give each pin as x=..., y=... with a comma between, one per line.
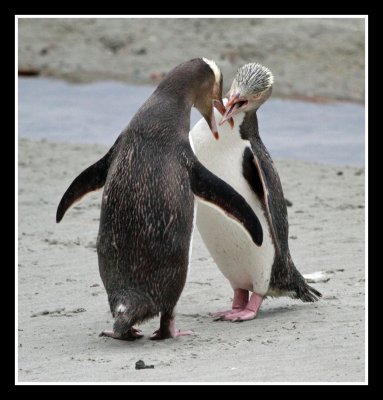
x=63, y=306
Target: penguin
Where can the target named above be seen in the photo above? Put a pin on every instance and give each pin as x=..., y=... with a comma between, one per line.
x=241, y=159
x=151, y=179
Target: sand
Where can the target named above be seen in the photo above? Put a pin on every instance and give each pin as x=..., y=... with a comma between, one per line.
x=62, y=305
x=311, y=58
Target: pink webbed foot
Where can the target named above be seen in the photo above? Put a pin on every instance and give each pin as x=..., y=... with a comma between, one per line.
x=243, y=315
x=219, y=314
x=250, y=311
x=132, y=334
x=168, y=329
x=241, y=297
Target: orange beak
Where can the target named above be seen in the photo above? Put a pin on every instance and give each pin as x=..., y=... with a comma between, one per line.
x=233, y=106
x=221, y=108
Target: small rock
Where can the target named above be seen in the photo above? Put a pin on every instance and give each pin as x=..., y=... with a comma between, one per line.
x=140, y=51
x=47, y=312
x=339, y=173
x=114, y=44
x=332, y=297
x=95, y=285
x=78, y=310
x=141, y=365
x=332, y=271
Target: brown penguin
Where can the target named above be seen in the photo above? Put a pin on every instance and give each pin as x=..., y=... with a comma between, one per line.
x=152, y=179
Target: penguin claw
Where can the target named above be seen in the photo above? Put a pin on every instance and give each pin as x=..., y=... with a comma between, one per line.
x=219, y=315
x=132, y=334
x=157, y=335
x=241, y=316
x=137, y=333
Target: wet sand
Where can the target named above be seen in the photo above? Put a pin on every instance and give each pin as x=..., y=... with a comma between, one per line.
x=62, y=305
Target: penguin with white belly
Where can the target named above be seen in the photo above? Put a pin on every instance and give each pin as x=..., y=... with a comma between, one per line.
x=241, y=159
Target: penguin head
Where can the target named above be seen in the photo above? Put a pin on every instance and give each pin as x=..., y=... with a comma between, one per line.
x=199, y=81
x=251, y=87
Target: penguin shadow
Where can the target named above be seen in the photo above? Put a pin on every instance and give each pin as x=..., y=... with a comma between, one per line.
x=274, y=311
x=114, y=344
x=140, y=344
x=261, y=315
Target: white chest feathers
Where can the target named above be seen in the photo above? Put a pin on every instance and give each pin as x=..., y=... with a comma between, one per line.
x=244, y=264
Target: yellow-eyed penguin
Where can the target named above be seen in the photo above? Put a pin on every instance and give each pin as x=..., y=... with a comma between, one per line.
x=152, y=178
x=241, y=159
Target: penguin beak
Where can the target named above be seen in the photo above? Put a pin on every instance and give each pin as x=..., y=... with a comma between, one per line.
x=213, y=125
x=210, y=119
x=221, y=108
x=235, y=104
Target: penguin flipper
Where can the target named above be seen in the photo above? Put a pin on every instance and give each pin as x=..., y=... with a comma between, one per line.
x=209, y=188
x=256, y=178
x=91, y=179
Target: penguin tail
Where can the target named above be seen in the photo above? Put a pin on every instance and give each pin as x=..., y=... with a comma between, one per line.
x=128, y=309
x=303, y=291
x=309, y=294
x=294, y=285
